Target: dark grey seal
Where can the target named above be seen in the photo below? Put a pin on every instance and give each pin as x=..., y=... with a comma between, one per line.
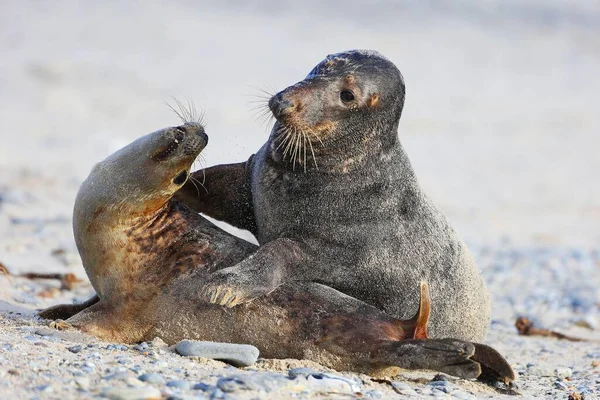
x=332, y=198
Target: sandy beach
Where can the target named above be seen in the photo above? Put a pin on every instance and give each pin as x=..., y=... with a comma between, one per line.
x=501, y=125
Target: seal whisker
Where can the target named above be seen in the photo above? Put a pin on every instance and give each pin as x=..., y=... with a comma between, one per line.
x=294, y=150
x=304, y=145
x=284, y=136
x=187, y=114
x=298, y=148
x=313, y=152
x=289, y=144
x=174, y=110
x=196, y=186
x=182, y=110
x=194, y=181
x=263, y=92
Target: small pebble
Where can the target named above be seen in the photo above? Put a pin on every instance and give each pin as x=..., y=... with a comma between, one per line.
x=330, y=383
x=560, y=385
x=74, y=349
x=264, y=382
x=242, y=355
x=44, y=388
x=143, y=393
x=563, y=373
x=374, y=394
x=119, y=376
x=179, y=384
x=202, y=386
x=152, y=378
x=539, y=371
x=82, y=382
x=141, y=347
x=304, y=372
x=444, y=386
x=463, y=395
x=403, y=388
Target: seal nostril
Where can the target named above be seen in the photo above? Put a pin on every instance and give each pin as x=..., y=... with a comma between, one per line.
x=280, y=106
x=202, y=135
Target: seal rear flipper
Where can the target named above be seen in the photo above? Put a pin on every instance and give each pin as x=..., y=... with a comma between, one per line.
x=416, y=327
x=450, y=356
x=65, y=311
x=494, y=367
x=222, y=192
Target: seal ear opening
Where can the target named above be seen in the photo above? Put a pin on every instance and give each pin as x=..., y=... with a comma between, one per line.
x=181, y=177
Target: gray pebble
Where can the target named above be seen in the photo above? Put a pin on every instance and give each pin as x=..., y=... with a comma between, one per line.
x=563, y=373
x=444, y=386
x=330, y=383
x=202, y=386
x=242, y=355
x=74, y=349
x=141, y=347
x=560, y=385
x=374, y=394
x=424, y=390
x=403, y=388
x=120, y=347
x=152, y=378
x=263, y=382
x=142, y=393
x=463, y=395
x=539, y=371
x=82, y=382
x=302, y=371
x=119, y=376
x=179, y=384
x=44, y=388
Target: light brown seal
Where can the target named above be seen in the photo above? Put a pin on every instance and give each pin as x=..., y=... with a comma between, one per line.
x=147, y=256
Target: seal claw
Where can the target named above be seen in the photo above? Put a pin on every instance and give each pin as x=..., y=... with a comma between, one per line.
x=60, y=325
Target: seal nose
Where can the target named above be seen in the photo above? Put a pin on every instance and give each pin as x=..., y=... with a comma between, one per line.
x=280, y=106
x=202, y=134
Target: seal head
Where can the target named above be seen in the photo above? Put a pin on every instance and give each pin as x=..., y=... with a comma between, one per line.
x=349, y=98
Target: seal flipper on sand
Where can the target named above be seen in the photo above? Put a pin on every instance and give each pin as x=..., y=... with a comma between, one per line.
x=379, y=339
x=65, y=311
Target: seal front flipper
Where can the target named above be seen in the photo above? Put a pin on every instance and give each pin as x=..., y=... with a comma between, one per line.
x=222, y=192
x=257, y=275
x=111, y=321
x=64, y=311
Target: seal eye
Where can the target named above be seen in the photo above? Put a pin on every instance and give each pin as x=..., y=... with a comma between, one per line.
x=180, y=178
x=346, y=96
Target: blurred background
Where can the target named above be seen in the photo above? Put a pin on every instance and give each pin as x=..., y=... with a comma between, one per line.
x=501, y=119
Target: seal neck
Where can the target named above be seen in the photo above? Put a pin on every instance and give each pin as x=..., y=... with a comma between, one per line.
x=123, y=255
